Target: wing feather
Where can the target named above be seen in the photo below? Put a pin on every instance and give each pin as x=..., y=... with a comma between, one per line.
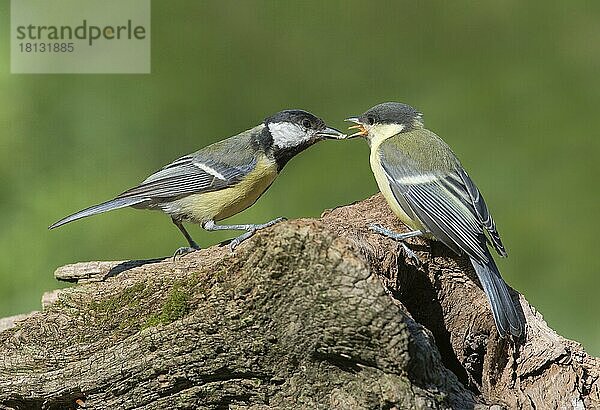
x=188, y=175
x=446, y=202
x=482, y=211
x=446, y=219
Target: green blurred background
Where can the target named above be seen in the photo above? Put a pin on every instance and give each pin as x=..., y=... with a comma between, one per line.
x=512, y=86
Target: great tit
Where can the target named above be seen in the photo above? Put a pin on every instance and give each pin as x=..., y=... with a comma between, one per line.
x=223, y=178
x=426, y=186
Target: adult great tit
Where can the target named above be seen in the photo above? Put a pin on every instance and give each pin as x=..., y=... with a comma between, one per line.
x=428, y=189
x=223, y=178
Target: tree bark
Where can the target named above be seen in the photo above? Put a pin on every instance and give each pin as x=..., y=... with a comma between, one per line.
x=307, y=314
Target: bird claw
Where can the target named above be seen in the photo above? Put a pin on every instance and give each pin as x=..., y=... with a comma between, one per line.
x=410, y=254
x=184, y=250
x=234, y=244
x=237, y=241
x=273, y=222
x=399, y=238
x=381, y=230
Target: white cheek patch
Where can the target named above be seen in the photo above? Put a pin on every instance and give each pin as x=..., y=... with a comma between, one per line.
x=380, y=132
x=386, y=130
x=286, y=134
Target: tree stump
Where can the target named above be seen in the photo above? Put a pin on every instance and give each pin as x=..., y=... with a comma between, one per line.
x=315, y=314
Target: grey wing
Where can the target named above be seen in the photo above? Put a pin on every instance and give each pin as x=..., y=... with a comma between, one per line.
x=189, y=175
x=450, y=206
x=440, y=200
x=482, y=211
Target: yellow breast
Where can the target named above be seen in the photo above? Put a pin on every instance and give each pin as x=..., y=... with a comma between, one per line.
x=384, y=187
x=227, y=202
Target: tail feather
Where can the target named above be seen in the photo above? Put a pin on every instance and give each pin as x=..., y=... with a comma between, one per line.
x=505, y=314
x=98, y=209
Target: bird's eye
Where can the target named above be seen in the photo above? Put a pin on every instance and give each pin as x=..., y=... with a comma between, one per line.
x=306, y=123
x=370, y=120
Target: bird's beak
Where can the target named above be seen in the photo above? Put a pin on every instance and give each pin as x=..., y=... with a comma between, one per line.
x=331, y=133
x=362, y=131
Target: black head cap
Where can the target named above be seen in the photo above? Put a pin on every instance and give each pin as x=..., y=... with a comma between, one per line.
x=289, y=132
x=391, y=113
x=300, y=117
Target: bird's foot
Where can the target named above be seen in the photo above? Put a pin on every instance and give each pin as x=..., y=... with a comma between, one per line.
x=399, y=237
x=391, y=234
x=236, y=241
x=184, y=250
x=251, y=231
x=409, y=253
x=271, y=223
x=382, y=231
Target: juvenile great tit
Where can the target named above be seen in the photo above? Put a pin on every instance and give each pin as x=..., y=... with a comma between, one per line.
x=223, y=178
x=428, y=189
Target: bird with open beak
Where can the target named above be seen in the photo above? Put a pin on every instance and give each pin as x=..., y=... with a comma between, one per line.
x=426, y=186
